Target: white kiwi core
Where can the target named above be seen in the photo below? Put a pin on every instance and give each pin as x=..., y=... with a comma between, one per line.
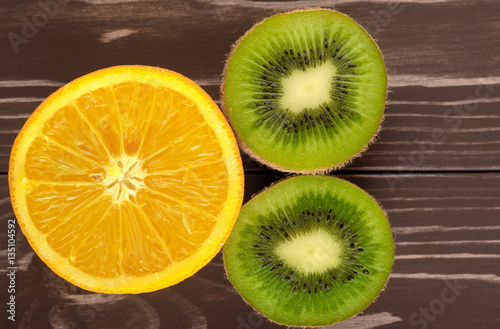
x=309, y=88
x=312, y=252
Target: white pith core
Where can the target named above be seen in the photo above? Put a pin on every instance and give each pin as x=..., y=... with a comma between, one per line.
x=311, y=252
x=307, y=89
x=123, y=178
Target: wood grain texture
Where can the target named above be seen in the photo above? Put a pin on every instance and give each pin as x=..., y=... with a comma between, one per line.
x=444, y=78
x=435, y=167
x=446, y=230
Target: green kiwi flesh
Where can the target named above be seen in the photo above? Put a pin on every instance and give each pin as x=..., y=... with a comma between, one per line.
x=310, y=251
x=305, y=91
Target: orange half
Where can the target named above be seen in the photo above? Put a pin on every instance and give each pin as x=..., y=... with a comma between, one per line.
x=126, y=180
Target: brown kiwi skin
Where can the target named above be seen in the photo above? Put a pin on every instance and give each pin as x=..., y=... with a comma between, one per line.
x=360, y=312
x=251, y=154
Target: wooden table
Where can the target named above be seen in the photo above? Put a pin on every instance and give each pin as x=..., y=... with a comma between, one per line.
x=435, y=167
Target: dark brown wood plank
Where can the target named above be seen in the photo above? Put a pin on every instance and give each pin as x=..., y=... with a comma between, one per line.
x=446, y=229
x=442, y=112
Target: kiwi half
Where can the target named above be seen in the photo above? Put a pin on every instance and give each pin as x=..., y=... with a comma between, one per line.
x=310, y=251
x=305, y=91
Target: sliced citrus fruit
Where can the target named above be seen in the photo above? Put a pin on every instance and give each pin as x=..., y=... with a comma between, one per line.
x=126, y=180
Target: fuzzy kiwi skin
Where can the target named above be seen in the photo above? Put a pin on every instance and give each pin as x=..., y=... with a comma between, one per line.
x=321, y=170
x=237, y=278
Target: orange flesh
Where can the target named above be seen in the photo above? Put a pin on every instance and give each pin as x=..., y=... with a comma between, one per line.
x=121, y=184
